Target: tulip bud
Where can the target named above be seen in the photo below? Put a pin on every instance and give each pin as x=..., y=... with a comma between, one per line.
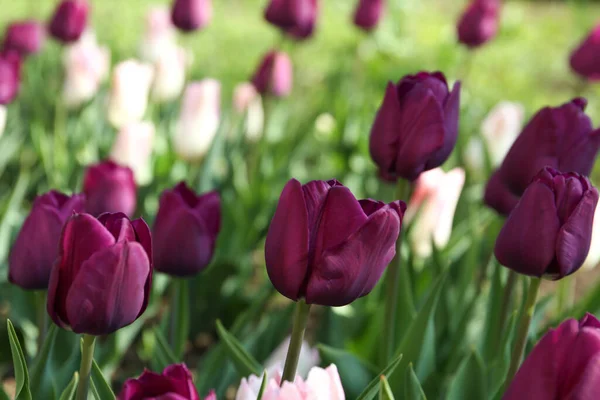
x=368, y=13
x=297, y=18
x=548, y=233
x=10, y=76
x=101, y=279
x=175, y=382
x=133, y=148
x=500, y=129
x=159, y=35
x=327, y=247
x=247, y=101
x=274, y=75
x=36, y=247
x=562, y=365
x=69, y=20
x=584, y=60
x=2, y=119
x=129, y=91
x=498, y=196
x=416, y=126
x=109, y=187
x=25, y=37
x=191, y=15
x=199, y=119
x=185, y=230
x=433, y=202
x=479, y=22
x=169, y=74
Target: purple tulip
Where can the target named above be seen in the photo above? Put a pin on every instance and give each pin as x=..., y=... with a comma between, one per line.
x=297, y=18
x=498, y=196
x=584, y=59
x=109, y=187
x=274, y=75
x=327, y=247
x=101, y=279
x=24, y=37
x=191, y=15
x=416, y=126
x=479, y=22
x=563, y=365
x=185, y=230
x=368, y=13
x=549, y=231
x=69, y=20
x=10, y=76
x=36, y=246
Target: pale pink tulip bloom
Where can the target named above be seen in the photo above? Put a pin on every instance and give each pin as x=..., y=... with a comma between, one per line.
x=169, y=74
x=500, y=129
x=130, y=87
x=133, y=148
x=159, y=34
x=247, y=102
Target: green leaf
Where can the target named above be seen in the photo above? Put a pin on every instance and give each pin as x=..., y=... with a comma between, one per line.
x=41, y=373
x=263, y=386
x=20, y=365
x=100, y=383
x=385, y=392
x=244, y=362
x=491, y=334
x=69, y=391
x=373, y=387
x=470, y=380
x=3, y=395
x=162, y=351
x=412, y=386
x=354, y=372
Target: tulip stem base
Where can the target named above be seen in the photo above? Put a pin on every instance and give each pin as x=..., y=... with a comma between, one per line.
x=87, y=357
x=298, y=328
x=523, y=330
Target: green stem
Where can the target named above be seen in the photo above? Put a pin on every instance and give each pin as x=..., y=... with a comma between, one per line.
x=523, y=330
x=87, y=356
x=42, y=317
x=506, y=300
x=174, y=312
x=259, y=148
x=298, y=328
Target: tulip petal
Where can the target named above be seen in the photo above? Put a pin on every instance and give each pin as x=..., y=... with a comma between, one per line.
x=326, y=382
x=588, y=386
x=581, y=367
x=581, y=155
x=180, y=373
x=109, y=290
x=209, y=207
x=383, y=140
x=498, y=196
x=451, y=112
x=286, y=246
x=142, y=233
x=527, y=240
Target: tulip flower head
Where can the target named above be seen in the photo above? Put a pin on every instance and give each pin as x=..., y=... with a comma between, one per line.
x=548, y=233
x=101, y=279
x=248, y=102
x=584, y=59
x=36, y=247
x=10, y=76
x=24, y=37
x=416, y=127
x=130, y=87
x=562, y=365
x=368, y=13
x=191, y=15
x=479, y=22
x=109, y=187
x=69, y=20
x=159, y=34
x=296, y=18
x=133, y=148
x=169, y=74
x=500, y=129
x=325, y=246
x=274, y=75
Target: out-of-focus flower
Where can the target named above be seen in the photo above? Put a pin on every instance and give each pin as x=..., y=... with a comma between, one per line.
x=308, y=359
x=368, y=13
x=274, y=74
x=101, y=279
x=479, y=22
x=10, y=76
x=199, y=119
x=86, y=67
x=129, y=91
x=109, y=187
x=433, y=202
x=416, y=127
x=584, y=59
x=133, y=148
x=175, y=383
x=498, y=196
x=159, y=34
x=36, y=247
x=190, y=15
x=297, y=18
x=169, y=74
x=593, y=257
x=500, y=129
x=327, y=247
x=2, y=119
x=549, y=231
x=69, y=20
x=563, y=365
x=247, y=101
x=24, y=37
x=185, y=230
x=320, y=384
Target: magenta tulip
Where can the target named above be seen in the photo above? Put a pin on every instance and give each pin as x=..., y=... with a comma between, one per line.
x=24, y=37
x=368, y=13
x=69, y=20
x=584, y=59
x=10, y=76
x=297, y=18
x=109, y=187
x=191, y=15
x=274, y=75
x=479, y=22
x=498, y=196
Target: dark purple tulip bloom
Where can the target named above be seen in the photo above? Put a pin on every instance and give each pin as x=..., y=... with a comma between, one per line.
x=563, y=365
x=69, y=20
x=479, y=23
x=368, y=13
x=10, y=76
x=274, y=75
x=191, y=15
x=101, y=279
x=24, y=37
x=585, y=60
x=295, y=17
x=175, y=383
x=498, y=196
x=549, y=231
x=327, y=247
x=416, y=126
x=185, y=230
x=109, y=187
x=36, y=246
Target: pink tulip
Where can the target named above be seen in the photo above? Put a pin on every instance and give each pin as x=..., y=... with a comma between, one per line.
x=159, y=34
x=169, y=74
x=130, y=87
x=247, y=101
x=500, y=129
x=133, y=148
